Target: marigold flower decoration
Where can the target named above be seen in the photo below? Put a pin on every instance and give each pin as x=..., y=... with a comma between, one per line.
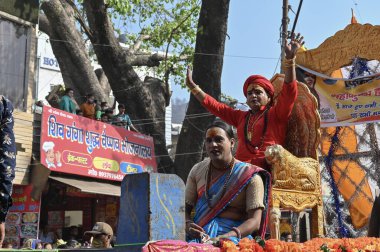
x=367, y=244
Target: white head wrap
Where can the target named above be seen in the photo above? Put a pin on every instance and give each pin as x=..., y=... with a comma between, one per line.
x=47, y=146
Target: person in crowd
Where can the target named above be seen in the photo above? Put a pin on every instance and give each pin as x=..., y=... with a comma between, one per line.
x=68, y=102
x=8, y=161
x=79, y=112
x=40, y=103
x=73, y=233
x=7, y=245
x=98, y=111
x=30, y=244
x=45, y=234
x=109, y=113
x=266, y=122
x=48, y=246
x=63, y=246
x=59, y=243
x=104, y=106
x=104, y=118
x=73, y=244
x=102, y=235
x=310, y=80
x=88, y=107
x=230, y=197
x=39, y=245
x=123, y=120
x=287, y=236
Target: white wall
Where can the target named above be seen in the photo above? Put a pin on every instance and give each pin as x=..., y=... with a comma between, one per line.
x=48, y=70
x=168, y=124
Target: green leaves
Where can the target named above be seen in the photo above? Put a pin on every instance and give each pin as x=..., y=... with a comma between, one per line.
x=171, y=25
x=122, y=7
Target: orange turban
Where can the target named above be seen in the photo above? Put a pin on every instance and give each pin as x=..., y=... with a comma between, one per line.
x=261, y=81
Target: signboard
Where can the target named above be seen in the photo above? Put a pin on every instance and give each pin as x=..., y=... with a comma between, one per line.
x=345, y=102
x=78, y=145
x=49, y=63
x=342, y=106
x=22, y=219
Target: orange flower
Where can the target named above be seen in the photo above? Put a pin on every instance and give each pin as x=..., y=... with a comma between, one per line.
x=228, y=246
x=367, y=244
x=247, y=250
x=245, y=243
x=258, y=248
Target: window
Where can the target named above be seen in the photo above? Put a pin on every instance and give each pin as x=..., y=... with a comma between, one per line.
x=14, y=62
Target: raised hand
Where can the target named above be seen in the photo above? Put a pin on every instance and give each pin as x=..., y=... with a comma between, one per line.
x=296, y=41
x=189, y=79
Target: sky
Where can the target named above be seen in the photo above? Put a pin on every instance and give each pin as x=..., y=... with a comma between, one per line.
x=254, y=29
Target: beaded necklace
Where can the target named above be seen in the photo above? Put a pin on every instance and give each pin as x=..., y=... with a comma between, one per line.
x=208, y=178
x=249, y=130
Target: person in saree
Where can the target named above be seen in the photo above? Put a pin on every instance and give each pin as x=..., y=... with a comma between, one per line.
x=266, y=122
x=230, y=197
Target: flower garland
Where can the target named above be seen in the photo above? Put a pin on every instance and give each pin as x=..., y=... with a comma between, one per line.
x=367, y=244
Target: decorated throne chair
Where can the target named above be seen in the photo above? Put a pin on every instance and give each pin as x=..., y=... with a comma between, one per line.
x=295, y=167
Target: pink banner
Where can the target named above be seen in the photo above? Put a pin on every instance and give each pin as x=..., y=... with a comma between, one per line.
x=78, y=145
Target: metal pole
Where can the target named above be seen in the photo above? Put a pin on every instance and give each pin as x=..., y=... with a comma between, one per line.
x=284, y=29
x=296, y=19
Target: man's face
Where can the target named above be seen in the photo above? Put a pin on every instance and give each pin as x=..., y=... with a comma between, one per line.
x=104, y=118
x=50, y=155
x=101, y=241
x=90, y=99
x=289, y=238
x=121, y=110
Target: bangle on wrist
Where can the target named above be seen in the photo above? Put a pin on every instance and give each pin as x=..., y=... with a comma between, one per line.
x=289, y=62
x=237, y=231
x=196, y=90
x=189, y=221
x=191, y=89
x=292, y=59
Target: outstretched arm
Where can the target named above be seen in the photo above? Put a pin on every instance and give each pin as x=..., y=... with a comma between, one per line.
x=296, y=41
x=219, y=109
x=133, y=128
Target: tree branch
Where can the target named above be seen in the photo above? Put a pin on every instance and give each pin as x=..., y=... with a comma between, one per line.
x=80, y=19
x=150, y=60
x=170, y=40
x=136, y=46
x=44, y=24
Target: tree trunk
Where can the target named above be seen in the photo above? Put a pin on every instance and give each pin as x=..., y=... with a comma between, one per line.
x=212, y=30
x=70, y=50
x=127, y=86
